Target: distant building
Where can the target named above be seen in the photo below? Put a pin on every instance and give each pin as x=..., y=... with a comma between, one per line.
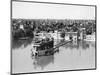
x=82, y=33
x=21, y=27
x=71, y=36
x=90, y=37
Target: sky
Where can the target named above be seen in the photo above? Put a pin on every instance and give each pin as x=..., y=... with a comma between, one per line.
x=28, y=10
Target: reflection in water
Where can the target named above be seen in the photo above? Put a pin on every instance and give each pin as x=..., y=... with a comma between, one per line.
x=42, y=61
x=78, y=44
x=73, y=55
x=20, y=43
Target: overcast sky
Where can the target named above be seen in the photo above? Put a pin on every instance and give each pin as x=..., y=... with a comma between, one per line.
x=29, y=10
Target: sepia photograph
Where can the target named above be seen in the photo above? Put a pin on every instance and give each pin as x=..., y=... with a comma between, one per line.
x=52, y=37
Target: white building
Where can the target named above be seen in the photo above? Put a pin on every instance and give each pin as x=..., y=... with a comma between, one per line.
x=90, y=37
x=71, y=35
x=21, y=27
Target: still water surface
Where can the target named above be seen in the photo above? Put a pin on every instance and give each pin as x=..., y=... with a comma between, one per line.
x=75, y=55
